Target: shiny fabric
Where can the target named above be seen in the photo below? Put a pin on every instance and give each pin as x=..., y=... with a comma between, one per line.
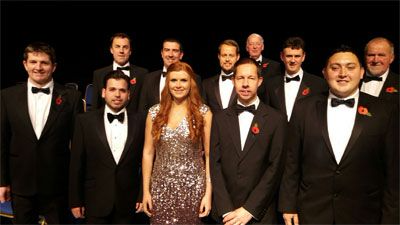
x=178, y=178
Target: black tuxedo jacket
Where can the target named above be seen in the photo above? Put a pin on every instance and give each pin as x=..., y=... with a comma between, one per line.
x=275, y=90
x=135, y=72
x=212, y=95
x=29, y=165
x=363, y=188
x=392, y=81
x=150, y=94
x=96, y=180
x=269, y=69
x=248, y=178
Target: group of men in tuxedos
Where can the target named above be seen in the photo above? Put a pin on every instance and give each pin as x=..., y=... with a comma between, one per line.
x=335, y=162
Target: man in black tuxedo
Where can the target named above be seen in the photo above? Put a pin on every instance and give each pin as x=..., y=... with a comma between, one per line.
x=120, y=48
x=218, y=89
x=154, y=82
x=105, y=158
x=37, y=120
x=379, y=80
x=282, y=92
x=269, y=68
x=246, y=154
x=342, y=163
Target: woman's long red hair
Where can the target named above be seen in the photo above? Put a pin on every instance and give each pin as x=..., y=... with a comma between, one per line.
x=194, y=101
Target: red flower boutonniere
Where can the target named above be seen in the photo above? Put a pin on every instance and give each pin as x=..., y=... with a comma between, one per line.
x=363, y=111
x=391, y=90
x=264, y=65
x=59, y=100
x=133, y=81
x=255, y=129
x=306, y=91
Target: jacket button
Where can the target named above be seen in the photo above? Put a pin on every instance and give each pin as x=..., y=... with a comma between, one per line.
x=338, y=172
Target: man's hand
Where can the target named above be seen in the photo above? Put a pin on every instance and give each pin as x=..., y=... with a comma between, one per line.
x=291, y=218
x=238, y=217
x=78, y=212
x=5, y=194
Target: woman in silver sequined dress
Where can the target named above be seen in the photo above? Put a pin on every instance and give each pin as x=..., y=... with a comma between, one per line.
x=176, y=175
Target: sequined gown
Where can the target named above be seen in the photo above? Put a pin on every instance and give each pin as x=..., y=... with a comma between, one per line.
x=178, y=177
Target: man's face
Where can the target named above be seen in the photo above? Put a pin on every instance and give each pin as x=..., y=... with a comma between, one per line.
x=378, y=57
x=171, y=53
x=121, y=50
x=228, y=57
x=116, y=94
x=343, y=73
x=39, y=68
x=254, y=46
x=292, y=58
x=246, y=82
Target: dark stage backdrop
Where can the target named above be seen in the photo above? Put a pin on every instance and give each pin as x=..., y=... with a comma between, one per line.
x=80, y=31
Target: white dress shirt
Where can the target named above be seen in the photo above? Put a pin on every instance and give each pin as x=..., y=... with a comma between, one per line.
x=126, y=72
x=291, y=90
x=116, y=133
x=340, y=124
x=374, y=87
x=225, y=90
x=162, y=81
x=245, y=119
x=39, y=106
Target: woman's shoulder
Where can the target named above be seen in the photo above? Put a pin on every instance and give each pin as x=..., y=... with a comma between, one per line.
x=154, y=110
x=204, y=109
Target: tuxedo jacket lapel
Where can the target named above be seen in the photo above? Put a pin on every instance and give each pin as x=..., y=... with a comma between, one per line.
x=156, y=87
x=355, y=134
x=260, y=119
x=101, y=134
x=233, y=128
x=24, y=112
x=58, y=102
x=303, y=86
x=280, y=94
x=216, y=92
x=130, y=137
x=323, y=123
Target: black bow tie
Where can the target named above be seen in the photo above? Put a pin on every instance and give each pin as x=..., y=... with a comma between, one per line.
x=369, y=78
x=124, y=68
x=296, y=78
x=44, y=90
x=259, y=62
x=349, y=102
x=163, y=74
x=119, y=117
x=226, y=77
x=239, y=108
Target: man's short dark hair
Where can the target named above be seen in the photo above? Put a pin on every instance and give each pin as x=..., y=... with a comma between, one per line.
x=117, y=75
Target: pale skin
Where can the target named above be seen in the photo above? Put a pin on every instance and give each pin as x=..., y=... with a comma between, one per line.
x=40, y=69
x=343, y=73
x=121, y=50
x=116, y=95
x=246, y=82
x=179, y=86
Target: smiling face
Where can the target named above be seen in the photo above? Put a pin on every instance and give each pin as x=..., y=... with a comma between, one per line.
x=171, y=53
x=121, y=50
x=246, y=82
x=254, y=46
x=228, y=56
x=116, y=94
x=378, y=56
x=179, y=85
x=39, y=68
x=343, y=73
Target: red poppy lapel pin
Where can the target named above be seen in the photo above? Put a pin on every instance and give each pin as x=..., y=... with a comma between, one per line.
x=255, y=129
x=306, y=91
x=391, y=90
x=133, y=81
x=59, y=100
x=264, y=65
x=363, y=111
